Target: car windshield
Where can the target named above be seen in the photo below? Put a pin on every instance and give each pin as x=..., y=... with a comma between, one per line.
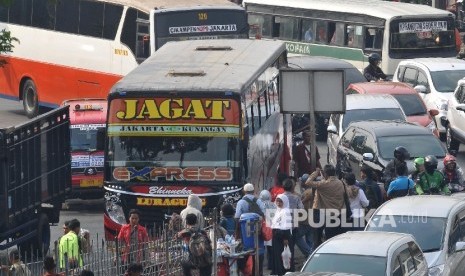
x=446, y=81
x=417, y=145
x=371, y=114
x=429, y=241
x=411, y=104
x=355, y=264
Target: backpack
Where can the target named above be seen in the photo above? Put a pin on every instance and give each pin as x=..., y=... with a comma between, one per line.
x=200, y=250
x=253, y=207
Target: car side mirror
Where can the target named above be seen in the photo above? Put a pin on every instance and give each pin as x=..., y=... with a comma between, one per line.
x=459, y=246
x=460, y=107
x=332, y=129
x=368, y=156
x=101, y=139
x=433, y=112
x=421, y=89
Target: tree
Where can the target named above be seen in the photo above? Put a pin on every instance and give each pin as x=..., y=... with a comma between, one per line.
x=6, y=40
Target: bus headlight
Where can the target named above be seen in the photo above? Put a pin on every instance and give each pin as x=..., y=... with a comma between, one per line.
x=115, y=212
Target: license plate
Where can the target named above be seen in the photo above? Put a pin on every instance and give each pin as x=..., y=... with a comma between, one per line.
x=93, y=182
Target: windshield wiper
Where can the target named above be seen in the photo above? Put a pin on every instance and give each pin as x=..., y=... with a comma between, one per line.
x=417, y=113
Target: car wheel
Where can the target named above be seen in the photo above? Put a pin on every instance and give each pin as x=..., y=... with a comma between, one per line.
x=30, y=99
x=451, y=143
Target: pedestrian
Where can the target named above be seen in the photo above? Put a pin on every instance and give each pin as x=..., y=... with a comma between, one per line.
x=86, y=272
x=402, y=185
x=277, y=188
x=303, y=156
x=134, y=270
x=270, y=207
x=50, y=266
x=329, y=198
x=282, y=236
x=358, y=202
x=227, y=220
x=70, y=256
x=194, y=206
x=133, y=239
x=296, y=206
x=249, y=203
x=373, y=190
x=17, y=267
x=198, y=247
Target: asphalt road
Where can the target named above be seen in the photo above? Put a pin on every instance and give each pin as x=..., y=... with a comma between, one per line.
x=90, y=212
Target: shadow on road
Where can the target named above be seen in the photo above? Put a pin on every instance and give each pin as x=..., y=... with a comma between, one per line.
x=89, y=206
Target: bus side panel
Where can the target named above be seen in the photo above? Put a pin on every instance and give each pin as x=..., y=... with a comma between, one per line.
x=267, y=151
x=63, y=65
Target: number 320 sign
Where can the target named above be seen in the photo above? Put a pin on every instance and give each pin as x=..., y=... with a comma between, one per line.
x=203, y=16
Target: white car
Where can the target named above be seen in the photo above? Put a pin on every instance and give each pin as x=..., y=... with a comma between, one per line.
x=455, y=121
x=435, y=79
x=369, y=254
x=436, y=222
x=361, y=107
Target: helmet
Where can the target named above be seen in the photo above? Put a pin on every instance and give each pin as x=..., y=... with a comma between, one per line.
x=450, y=162
x=374, y=58
x=419, y=161
x=431, y=163
x=401, y=153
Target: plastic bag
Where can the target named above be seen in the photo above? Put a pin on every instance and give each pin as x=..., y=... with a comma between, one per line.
x=286, y=256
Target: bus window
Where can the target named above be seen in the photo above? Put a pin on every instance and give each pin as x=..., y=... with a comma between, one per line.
x=260, y=25
x=308, y=30
x=3, y=14
x=43, y=15
x=339, y=35
x=288, y=27
x=373, y=38
x=91, y=18
x=354, y=36
x=111, y=20
x=143, y=39
x=130, y=35
x=321, y=32
x=20, y=12
x=67, y=16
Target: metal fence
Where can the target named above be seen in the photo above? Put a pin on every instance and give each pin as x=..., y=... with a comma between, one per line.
x=161, y=255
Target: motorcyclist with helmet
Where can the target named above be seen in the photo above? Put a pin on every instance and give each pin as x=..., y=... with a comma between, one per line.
x=373, y=72
x=389, y=173
x=419, y=167
x=453, y=174
x=431, y=181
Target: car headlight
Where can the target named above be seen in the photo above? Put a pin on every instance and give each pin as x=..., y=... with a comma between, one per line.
x=115, y=212
x=442, y=105
x=436, y=270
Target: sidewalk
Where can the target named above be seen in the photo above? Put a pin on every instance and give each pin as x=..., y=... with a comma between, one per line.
x=299, y=262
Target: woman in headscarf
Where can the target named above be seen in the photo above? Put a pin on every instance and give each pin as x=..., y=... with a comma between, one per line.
x=194, y=206
x=265, y=197
x=281, y=224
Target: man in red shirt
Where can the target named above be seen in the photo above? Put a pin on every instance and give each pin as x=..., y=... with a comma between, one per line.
x=133, y=239
x=302, y=157
x=278, y=189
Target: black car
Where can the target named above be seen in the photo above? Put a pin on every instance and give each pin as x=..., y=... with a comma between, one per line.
x=351, y=75
x=373, y=143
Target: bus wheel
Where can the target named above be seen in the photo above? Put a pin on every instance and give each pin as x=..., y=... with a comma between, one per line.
x=30, y=99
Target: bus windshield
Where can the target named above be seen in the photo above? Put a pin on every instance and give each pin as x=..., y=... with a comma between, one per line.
x=179, y=139
x=200, y=24
x=421, y=36
x=83, y=137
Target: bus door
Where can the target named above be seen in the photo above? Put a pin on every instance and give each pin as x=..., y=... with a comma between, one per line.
x=142, y=39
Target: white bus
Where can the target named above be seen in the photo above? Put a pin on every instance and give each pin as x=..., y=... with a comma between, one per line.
x=197, y=117
x=80, y=48
x=351, y=30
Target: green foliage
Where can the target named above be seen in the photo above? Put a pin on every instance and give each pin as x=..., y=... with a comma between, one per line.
x=6, y=44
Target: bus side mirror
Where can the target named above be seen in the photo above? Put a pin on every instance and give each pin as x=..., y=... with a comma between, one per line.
x=101, y=139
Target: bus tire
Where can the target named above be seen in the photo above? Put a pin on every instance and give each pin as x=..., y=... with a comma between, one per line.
x=30, y=99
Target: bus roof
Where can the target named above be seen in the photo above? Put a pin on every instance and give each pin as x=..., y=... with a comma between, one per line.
x=228, y=65
x=376, y=8
x=148, y=5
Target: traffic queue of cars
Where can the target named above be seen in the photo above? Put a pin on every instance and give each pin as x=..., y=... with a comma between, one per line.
x=413, y=235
